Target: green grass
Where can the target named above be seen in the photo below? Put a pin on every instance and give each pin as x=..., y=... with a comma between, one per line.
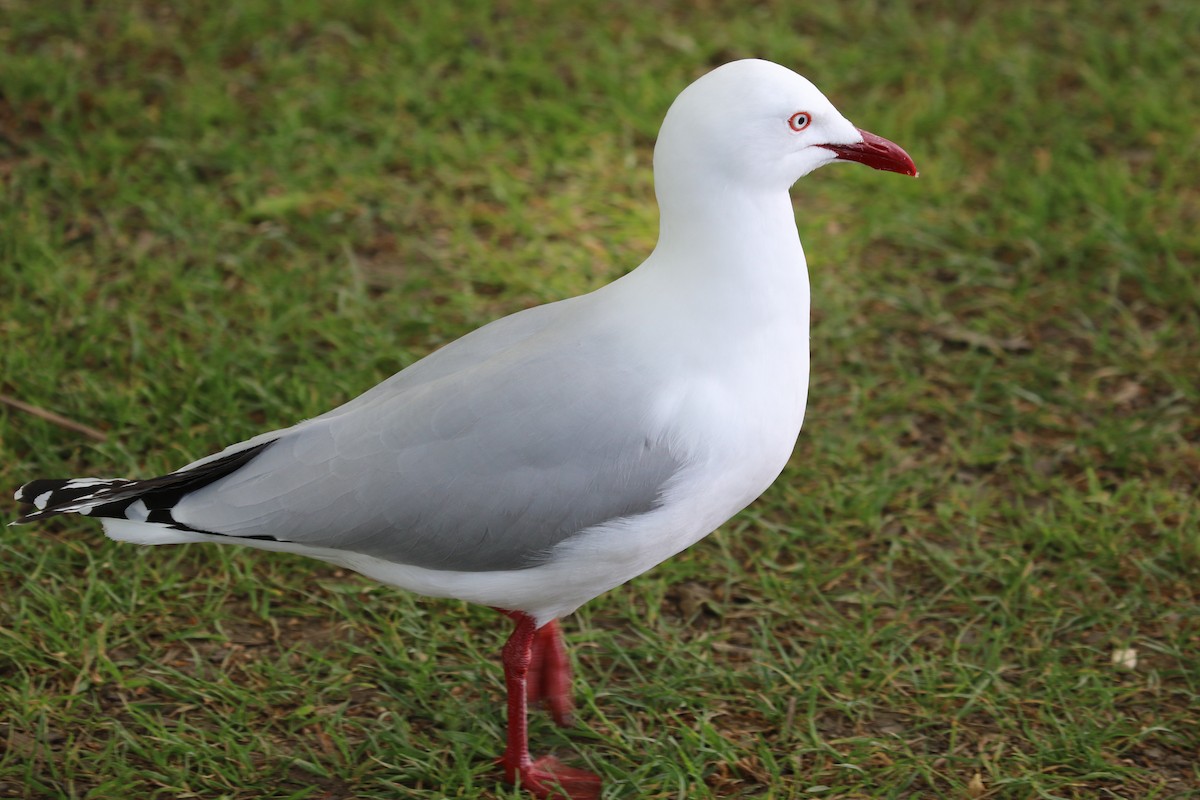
x=222, y=218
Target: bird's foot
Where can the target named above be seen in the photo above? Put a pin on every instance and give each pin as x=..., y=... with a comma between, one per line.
x=550, y=779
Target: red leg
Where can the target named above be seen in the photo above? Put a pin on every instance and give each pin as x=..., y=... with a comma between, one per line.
x=547, y=778
x=550, y=673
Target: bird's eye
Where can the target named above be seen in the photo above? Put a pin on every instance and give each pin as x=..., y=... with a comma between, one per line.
x=799, y=121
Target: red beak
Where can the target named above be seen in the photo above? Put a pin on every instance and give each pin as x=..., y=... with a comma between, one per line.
x=876, y=151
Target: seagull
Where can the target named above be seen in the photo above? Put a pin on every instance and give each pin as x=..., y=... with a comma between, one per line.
x=554, y=454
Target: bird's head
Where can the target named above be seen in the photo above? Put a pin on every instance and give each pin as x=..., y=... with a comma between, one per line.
x=756, y=124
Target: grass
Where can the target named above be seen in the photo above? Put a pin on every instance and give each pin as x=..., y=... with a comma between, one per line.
x=221, y=218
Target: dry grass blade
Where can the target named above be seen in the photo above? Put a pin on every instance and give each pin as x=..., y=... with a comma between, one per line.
x=52, y=417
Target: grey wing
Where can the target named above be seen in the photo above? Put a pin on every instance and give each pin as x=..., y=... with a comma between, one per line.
x=464, y=353
x=487, y=467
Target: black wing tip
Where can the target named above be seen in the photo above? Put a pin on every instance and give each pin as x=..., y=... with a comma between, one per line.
x=38, y=486
x=23, y=491
x=28, y=495
x=110, y=497
x=48, y=495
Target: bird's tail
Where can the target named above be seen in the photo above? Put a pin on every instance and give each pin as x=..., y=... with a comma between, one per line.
x=132, y=510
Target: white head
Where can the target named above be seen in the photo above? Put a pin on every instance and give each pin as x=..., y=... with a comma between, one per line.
x=758, y=126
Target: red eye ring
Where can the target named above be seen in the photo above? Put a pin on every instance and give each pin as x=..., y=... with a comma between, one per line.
x=799, y=121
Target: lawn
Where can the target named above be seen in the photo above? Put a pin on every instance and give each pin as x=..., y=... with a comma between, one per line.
x=979, y=577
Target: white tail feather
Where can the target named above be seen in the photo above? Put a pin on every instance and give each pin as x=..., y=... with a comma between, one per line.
x=125, y=530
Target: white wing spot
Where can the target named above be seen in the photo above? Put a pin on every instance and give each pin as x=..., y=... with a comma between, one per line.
x=137, y=511
x=78, y=483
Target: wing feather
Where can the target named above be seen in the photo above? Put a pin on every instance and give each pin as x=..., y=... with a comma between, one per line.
x=473, y=459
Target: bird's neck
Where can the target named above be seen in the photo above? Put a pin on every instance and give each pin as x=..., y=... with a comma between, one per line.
x=725, y=234
x=734, y=267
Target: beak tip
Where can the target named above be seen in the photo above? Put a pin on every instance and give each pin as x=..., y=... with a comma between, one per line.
x=878, y=153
